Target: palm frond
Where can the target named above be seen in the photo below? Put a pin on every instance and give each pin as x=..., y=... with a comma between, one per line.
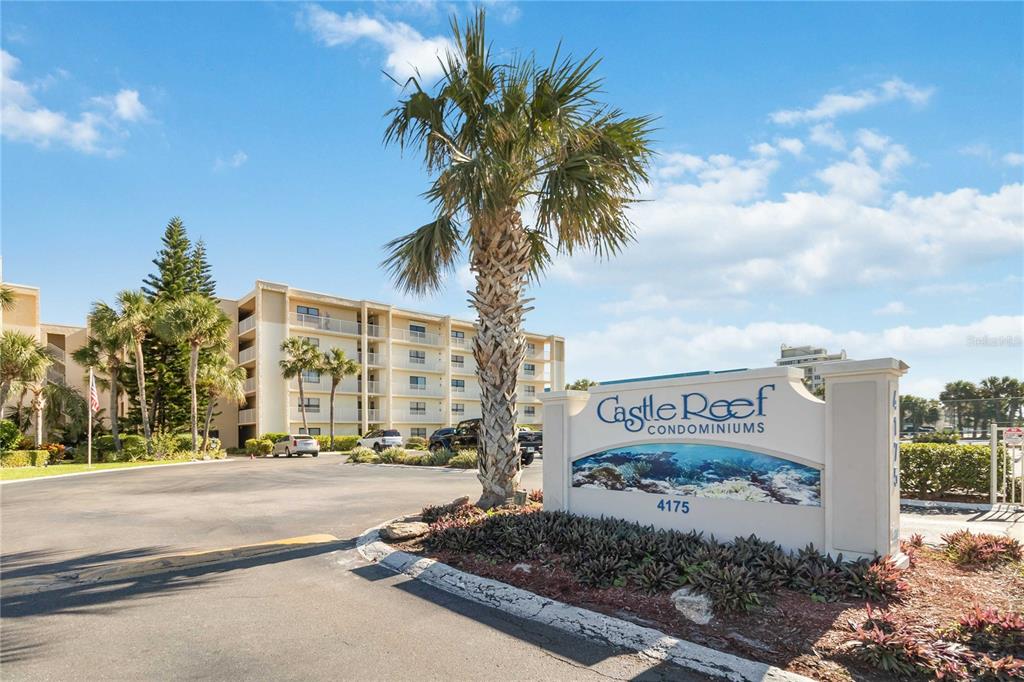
x=419, y=261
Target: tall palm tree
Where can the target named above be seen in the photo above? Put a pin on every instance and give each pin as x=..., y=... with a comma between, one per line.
x=960, y=397
x=299, y=356
x=23, y=359
x=136, y=321
x=38, y=391
x=104, y=351
x=334, y=364
x=504, y=138
x=220, y=377
x=196, y=320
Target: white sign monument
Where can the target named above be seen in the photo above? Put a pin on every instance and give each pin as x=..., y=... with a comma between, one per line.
x=734, y=453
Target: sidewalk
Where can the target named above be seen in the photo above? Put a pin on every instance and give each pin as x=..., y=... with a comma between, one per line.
x=936, y=522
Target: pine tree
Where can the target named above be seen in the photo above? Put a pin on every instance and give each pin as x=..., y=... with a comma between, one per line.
x=200, y=273
x=173, y=263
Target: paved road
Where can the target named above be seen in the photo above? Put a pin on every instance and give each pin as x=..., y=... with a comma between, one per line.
x=315, y=612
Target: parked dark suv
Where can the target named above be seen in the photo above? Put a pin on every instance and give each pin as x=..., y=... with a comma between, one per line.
x=466, y=434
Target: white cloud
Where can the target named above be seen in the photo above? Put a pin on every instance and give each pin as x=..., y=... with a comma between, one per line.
x=763, y=149
x=790, y=144
x=24, y=119
x=408, y=52
x=826, y=135
x=674, y=344
x=236, y=160
x=1013, y=159
x=836, y=104
x=892, y=308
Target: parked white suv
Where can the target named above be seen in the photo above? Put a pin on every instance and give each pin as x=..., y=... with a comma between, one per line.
x=297, y=444
x=381, y=439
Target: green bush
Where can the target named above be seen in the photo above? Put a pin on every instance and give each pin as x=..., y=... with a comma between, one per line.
x=103, y=444
x=184, y=441
x=133, y=448
x=466, y=459
x=342, y=443
x=440, y=457
x=416, y=443
x=265, y=446
x=9, y=435
x=416, y=460
x=56, y=451
x=252, y=446
x=273, y=436
x=24, y=458
x=392, y=456
x=939, y=469
x=363, y=456
x=324, y=442
x=936, y=437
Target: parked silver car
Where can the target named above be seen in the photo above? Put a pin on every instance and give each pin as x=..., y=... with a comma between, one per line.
x=381, y=439
x=296, y=444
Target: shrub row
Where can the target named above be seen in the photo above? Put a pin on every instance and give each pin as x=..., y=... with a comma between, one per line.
x=936, y=437
x=736, y=576
x=24, y=458
x=261, y=446
x=464, y=459
x=340, y=443
x=939, y=469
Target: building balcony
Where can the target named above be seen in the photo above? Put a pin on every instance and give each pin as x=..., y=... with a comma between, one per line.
x=55, y=375
x=464, y=368
x=416, y=390
x=246, y=325
x=247, y=355
x=465, y=393
x=250, y=385
x=414, y=364
x=247, y=416
x=326, y=324
x=418, y=418
x=426, y=338
x=347, y=385
x=57, y=353
x=529, y=418
x=341, y=415
x=462, y=342
x=371, y=358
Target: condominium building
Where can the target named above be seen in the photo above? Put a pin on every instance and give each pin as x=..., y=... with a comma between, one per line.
x=809, y=359
x=416, y=369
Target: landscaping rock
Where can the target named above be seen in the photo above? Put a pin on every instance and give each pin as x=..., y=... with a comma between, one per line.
x=523, y=568
x=404, y=530
x=459, y=501
x=694, y=607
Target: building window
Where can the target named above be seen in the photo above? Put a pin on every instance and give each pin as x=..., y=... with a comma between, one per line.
x=459, y=385
x=417, y=331
x=458, y=408
x=418, y=383
x=530, y=390
x=456, y=334
x=418, y=432
x=307, y=310
x=312, y=340
x=458, y=361
x=418, y=357
x=311, y=376
x=312, y=404
x=530, y=410
x=417, y=407
x=529, y=369
x=313, y=431
x=531, y=349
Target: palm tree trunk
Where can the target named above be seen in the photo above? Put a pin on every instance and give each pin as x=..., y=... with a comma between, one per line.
x=334, y=387
x=193, y=376
x=302, y=404
x=501, y=261
x=140, y=378
x=37, y=406
x=5, y=393
x=114, y=426
x=206, y=428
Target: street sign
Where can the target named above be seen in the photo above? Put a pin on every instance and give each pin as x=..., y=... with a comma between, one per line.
x=1013, y=435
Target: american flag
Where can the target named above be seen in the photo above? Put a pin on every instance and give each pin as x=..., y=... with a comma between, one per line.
x=94, y=398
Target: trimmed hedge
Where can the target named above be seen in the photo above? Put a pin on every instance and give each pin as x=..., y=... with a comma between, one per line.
x=24, y=458
x=273, y=436
x=341, y=443
x=939, y=469
x=937, y=437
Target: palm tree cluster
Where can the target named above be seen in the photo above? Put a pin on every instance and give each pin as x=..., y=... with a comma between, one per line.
x=23, y=364
x=527, y=163
x=301, y=357
x=994, y=400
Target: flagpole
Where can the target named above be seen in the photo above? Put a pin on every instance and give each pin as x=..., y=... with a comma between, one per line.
x=89, y=446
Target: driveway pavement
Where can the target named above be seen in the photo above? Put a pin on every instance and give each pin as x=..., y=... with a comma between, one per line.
x=312, y=610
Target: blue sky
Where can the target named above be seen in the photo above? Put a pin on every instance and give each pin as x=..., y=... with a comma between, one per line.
x=842, y=174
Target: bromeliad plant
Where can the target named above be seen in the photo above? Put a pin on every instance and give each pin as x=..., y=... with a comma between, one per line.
x=506, y=139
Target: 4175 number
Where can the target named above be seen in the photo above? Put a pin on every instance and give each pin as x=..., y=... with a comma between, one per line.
x=674, y=506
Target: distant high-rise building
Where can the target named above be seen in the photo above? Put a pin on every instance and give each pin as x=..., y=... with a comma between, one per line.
x=809, y=359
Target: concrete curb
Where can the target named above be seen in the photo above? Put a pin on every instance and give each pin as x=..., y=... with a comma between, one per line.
x=591, y=625
x=111, y=471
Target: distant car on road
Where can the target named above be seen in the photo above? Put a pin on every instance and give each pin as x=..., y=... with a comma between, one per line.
x=466, y=436
x=381, y=439
x=296, y=444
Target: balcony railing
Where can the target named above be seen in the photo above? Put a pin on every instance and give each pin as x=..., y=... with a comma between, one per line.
x=247, y=416
x=55, y=375
x=465, y=393
x=416, y=337
x=331, y=324
x=341, y=415
x=462, y=342
x=371, y=358
x=347, y=385
x=246, y=324
x=56, y=353
x=250, y=385
x=247, y=355
x=529, y=418
x=417, y=364
x=418, y=417
x=417, y=390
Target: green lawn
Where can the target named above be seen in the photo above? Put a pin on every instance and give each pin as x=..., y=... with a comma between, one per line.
x=17, y=473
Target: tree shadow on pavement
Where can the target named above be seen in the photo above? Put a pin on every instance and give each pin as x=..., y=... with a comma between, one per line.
x=25, y=564
x=573, y=649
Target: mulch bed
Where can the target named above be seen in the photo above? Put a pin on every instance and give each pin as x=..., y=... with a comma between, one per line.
x=791, y=631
